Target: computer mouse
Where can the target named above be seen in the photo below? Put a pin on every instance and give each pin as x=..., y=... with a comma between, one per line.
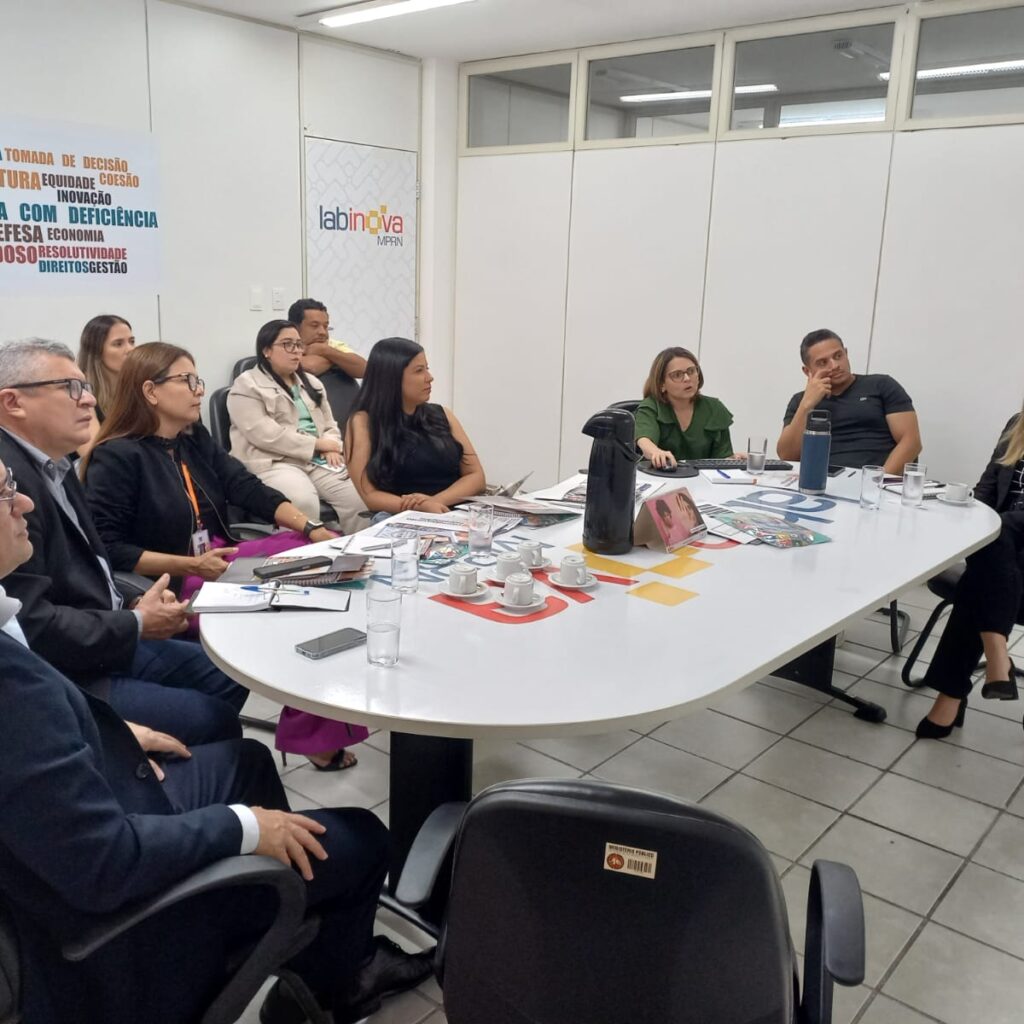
x=667, y=470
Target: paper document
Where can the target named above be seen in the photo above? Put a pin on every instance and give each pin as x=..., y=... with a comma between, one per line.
x=233, y=597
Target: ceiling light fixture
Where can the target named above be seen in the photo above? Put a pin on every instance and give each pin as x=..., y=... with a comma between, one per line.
x=691, y=94
x=344, y=17
x=965, y=70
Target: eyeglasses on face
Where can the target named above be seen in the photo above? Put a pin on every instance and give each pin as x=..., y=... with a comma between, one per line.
x=194, y=382
x=9, y=489
x=72, y=385
x=679, y=375
x=291, y=346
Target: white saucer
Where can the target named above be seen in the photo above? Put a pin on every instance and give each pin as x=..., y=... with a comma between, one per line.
x=949, y=501
x=545, y=564
x=481, y=589
x=538, y=602
x=556, y=579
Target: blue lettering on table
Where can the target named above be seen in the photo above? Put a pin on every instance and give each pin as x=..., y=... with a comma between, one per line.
x=791, y=507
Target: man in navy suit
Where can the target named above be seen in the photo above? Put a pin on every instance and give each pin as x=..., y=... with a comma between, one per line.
x=91, y=825
x=71, y=612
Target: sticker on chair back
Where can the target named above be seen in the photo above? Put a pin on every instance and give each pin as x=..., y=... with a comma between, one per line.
x=628, y=860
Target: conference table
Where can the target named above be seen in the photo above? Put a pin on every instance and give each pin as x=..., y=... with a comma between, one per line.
x=660, y=634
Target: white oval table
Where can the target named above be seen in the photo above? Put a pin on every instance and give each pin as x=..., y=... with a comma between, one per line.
x=660, y=635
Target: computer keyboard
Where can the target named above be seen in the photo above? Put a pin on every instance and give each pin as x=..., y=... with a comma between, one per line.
x=771, y=465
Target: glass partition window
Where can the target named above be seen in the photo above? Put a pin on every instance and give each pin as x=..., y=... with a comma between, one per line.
x=648, y=95
x=521, y=106
x=822, y=79
x=970, y=65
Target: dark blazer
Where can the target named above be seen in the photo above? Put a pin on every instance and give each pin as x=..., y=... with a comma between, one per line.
x=138, y=499
x=86, y=829
x=994, y=486
x=67, y=613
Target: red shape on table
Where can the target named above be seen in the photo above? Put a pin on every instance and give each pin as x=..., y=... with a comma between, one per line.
x=495, y=613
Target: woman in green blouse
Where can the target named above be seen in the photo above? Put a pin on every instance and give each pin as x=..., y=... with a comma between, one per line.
x=675, y=421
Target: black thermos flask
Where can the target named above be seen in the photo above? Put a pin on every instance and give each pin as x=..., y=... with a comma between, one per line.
x=611, y=483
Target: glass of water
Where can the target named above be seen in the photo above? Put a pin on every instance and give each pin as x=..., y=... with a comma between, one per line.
x=405, y=564
x=757, y=454
x=481, y=527
x=913, y=484
x=383, y=625
x=871, y=478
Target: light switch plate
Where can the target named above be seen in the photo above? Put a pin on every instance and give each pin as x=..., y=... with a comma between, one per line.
x=255, y=297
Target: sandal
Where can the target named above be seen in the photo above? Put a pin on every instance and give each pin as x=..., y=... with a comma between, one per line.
x=337, y=763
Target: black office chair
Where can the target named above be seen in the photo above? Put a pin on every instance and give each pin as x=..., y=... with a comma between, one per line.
x=243, y=364
x=289, y=933
x=342, y=391
x=630, y=405
x=577, y=900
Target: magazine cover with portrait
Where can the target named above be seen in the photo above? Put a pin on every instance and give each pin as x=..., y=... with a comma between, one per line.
x=669, y=521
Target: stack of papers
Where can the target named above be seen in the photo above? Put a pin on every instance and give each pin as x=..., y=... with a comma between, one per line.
x=234, y=597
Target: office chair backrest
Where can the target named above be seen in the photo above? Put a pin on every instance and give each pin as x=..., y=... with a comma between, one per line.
x=243, y=364
x=10, y=987
x=220, y=421
x=341, y=391
x=630, y=405
x=577, y=901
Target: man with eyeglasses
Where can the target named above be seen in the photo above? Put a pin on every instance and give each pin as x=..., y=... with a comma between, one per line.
x=873, y=418
x=73, y=614
x=91, y=825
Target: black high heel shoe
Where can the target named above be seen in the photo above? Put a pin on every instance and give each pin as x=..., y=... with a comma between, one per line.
x=929, y=730
x=1002, y=689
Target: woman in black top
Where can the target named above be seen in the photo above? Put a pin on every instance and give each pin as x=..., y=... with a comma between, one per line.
x=988, y=598
x=401, y=450
x=158, y=488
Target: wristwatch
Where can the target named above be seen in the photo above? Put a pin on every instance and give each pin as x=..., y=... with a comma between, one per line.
x=311, y=525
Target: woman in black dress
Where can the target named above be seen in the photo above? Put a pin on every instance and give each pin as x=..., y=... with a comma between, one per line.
x=403, y=451
x=988, y=598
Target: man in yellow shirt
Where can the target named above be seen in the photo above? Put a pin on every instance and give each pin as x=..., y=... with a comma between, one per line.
x=322, y=351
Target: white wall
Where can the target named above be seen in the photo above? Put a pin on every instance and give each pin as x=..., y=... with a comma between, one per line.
x=226, y=115
x=907, y=244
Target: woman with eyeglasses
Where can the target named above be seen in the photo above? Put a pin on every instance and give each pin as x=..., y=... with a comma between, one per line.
x=282, y=428
x=675, y=422
x=105, y=343
x=159, y=487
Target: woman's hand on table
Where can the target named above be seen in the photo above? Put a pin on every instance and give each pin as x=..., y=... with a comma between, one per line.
x=316, y=536
x=660, y=458
x=212, y=565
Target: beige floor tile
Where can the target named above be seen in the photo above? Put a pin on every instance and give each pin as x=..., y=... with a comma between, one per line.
x=408, y=1008
x=857, y=660
x=364, y=785
x=1016, y=805
x=648, y=764
x=584, y=752
x=807, y=692
x=767, y=708
x=992, y=735
x=961, y=771
x=500, y=760
x=814, y=773
x=987, y=906
x=717, y=737
x=890, y=671
x=835, y=729
x=884, y=1010
x=957, y=980
x=894, y=867
x=258, y=706
x=786, y=824
x=904, y=708
x=1003, y=848
x=921, y=812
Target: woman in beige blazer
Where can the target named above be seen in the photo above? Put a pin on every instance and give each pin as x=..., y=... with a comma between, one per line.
x=282, y=429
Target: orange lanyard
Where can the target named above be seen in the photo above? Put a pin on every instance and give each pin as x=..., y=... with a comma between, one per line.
x=191, y=491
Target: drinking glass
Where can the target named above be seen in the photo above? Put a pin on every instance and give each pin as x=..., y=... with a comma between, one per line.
x=913, y=484
x=481, y=528
x=383, y=625
x=405, y=564
x=871, y=478
x=757, y=454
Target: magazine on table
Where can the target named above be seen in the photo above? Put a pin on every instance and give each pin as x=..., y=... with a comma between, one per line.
x=343, y=569
x=720, y=528
x=772, y=530
x=573, y=492
x=521, y=506
x=669, y=522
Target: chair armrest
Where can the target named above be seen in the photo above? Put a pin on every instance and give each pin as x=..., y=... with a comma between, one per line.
x=427, y=854
x=834, y=942
x=228, y=873
x=250, y=531
x=131, y=586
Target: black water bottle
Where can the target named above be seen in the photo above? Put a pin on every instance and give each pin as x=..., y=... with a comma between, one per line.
x=814, y=452
x=611, y=483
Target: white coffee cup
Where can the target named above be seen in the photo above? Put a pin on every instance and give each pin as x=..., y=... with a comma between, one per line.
x=960, y=493
x=462, y=578
x=573, y=569
x=507, y=564
x=531, y=553
x=519, y=588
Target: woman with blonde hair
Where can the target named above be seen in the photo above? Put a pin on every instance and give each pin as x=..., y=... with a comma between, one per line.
x=105, y=343
x=675, y=421
x=988, y=598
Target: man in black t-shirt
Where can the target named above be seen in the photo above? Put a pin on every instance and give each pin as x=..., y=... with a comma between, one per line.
x=873, y=418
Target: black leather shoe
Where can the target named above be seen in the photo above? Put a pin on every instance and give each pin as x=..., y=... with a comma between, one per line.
x=929, y=730
x=1002, y=689
x=389, y=971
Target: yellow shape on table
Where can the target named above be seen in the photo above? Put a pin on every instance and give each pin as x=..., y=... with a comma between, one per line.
x=661, y=593
x=683, y=564
x=609, y=565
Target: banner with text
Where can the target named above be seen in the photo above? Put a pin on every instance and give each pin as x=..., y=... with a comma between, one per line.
x=361, y=239
x=78, y=209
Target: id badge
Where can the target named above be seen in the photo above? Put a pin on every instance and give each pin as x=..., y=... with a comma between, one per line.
x=200, y=542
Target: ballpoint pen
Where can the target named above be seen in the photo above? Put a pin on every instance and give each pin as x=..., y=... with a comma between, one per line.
x=274, y=588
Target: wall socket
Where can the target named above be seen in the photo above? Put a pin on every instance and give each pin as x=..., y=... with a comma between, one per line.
x=277, y=298
x=255, y=297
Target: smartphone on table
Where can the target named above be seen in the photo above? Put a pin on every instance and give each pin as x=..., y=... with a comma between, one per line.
x=331, y=643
